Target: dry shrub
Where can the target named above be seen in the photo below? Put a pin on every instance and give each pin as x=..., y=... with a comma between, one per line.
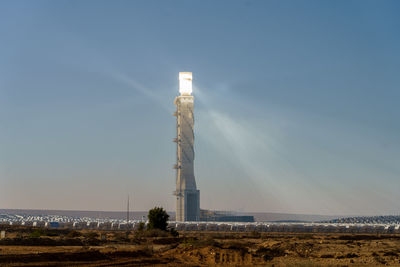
x=348, y=256
x=137, y=239
x=378, y=258
x=352, y=255
x=305, y=236
x=74, y=233
x=366, y=237
x=155, y=233
x=255, y=234
x=195, y=242
x=91, y=235
x=327, y=256
x=391, y=253
x=270, y=253
x=120, y=237
x=218, y=236
x=145, y=250
x=237, y=245
x=228, y=236
x=166, y=240
x=140, y=251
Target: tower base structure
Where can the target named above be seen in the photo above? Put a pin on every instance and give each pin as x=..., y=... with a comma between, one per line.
x=188, y=205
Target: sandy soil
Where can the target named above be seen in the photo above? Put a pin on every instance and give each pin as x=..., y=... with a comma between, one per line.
x=200, y=249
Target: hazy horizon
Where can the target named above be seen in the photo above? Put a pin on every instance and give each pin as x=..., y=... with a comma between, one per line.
x=296, y=104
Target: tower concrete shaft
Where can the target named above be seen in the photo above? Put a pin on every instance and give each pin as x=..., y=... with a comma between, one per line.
x=187, y=195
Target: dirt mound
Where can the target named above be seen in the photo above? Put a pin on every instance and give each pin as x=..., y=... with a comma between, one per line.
x=166, y=240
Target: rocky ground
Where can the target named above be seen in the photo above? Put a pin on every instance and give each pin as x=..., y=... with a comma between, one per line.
x=38, y=247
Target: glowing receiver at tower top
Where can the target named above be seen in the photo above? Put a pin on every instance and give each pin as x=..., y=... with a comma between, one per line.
x=185, y=83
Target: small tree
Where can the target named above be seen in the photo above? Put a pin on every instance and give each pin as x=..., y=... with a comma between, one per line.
x=158, y=218
x=141, y=227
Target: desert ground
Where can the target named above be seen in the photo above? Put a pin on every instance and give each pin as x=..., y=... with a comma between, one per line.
x=27, y=246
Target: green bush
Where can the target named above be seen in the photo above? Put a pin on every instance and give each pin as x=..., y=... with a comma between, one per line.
x=42, y=232
x=121, y=237
x=141, y=226
x=158, y=218
x=36, y=234
x=173, y=232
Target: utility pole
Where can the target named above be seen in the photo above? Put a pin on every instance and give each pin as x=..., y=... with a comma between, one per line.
x=127, y=211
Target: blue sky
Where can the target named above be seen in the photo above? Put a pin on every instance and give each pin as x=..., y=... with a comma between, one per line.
x=296, y=104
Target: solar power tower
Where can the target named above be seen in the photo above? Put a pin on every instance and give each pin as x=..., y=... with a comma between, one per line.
x=187, y=195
